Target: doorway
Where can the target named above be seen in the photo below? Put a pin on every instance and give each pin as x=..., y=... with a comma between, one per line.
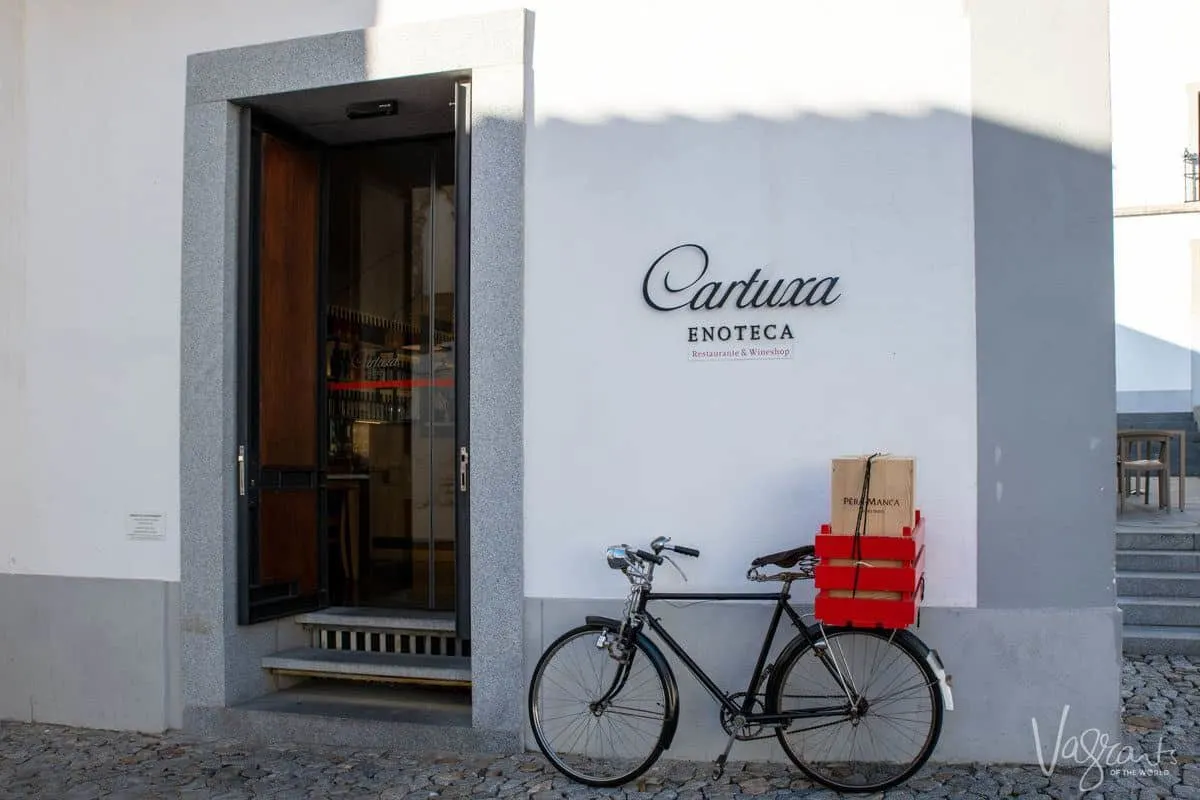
x=353, y=472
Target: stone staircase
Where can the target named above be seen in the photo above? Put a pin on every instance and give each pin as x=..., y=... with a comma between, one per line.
x=379, y=646
x=1158, y=590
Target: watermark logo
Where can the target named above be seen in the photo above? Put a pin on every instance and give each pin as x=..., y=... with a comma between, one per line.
x=1092, y=747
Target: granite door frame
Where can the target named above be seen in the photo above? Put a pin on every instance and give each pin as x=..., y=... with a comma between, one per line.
x=220, y=660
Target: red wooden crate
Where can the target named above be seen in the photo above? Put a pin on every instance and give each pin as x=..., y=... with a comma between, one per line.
x=866, y=612
x=858, y=612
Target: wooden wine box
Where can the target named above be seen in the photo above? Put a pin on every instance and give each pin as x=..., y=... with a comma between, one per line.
x=890, y=501
x=890, y=511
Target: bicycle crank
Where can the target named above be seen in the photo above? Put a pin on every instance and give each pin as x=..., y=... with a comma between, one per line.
x=736, y=726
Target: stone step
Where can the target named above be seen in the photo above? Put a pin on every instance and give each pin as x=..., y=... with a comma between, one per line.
x=1161, y=640
x=1159, y=560
x=1156, y=540
x=1158, y=584
x=380, y=619
x=1160, y=611
x=386, y=667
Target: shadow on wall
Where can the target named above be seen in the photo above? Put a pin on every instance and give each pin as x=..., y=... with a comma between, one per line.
x=1147, y=360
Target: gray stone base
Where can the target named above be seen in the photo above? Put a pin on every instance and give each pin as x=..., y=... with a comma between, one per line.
x=91, y=652
x=254, y=725
x=1008, y=668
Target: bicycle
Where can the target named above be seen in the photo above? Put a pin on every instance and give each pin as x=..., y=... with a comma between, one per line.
x=592, y=756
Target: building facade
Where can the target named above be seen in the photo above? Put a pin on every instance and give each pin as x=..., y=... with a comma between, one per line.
x=344, y=336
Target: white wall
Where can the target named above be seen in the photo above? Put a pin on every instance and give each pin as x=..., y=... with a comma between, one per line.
x=829, y=140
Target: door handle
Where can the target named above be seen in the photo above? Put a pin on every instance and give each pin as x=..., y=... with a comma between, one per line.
x=241, y=467
x=463, y=459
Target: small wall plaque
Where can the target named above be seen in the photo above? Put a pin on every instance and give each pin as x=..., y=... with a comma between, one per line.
x=146, y=526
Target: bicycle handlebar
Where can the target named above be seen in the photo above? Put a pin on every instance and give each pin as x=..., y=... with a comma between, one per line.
x=658, y=546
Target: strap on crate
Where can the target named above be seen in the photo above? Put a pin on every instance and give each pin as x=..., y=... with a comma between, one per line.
x=920, y=599
x=860, y=522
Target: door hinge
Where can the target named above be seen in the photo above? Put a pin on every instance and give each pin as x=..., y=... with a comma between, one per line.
x=241, y=467
x=464, y=459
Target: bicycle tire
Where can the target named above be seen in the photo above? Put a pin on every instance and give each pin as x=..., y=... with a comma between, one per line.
x=641, y=648
x=907, y=644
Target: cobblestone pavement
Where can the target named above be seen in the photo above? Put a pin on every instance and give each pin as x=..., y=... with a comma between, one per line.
x=1162, y=704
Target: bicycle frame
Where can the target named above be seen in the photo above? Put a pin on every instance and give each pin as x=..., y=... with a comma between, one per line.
x=781, y=605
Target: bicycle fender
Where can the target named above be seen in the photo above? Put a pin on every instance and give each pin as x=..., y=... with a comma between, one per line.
x=658, y=659
x=934, y=659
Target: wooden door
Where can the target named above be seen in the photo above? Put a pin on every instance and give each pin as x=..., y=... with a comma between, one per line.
x=280, y=461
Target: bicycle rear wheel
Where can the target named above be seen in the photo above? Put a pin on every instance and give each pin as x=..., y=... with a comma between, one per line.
x=599, y=707
x=892, y=717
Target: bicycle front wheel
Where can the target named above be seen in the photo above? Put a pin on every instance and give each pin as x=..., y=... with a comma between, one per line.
x=889, y=708
x=599, y=707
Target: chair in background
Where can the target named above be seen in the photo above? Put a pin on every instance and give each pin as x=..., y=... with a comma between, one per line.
x=1142, y=453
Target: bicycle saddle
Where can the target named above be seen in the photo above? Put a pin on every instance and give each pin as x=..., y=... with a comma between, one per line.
x=785, y=559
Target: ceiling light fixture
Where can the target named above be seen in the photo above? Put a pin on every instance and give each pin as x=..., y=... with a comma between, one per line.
x=372, y=108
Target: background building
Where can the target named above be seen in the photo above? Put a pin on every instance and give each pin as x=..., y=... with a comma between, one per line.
x=1156, y=230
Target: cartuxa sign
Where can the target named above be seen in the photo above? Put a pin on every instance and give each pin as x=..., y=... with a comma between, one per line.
x=664, y=291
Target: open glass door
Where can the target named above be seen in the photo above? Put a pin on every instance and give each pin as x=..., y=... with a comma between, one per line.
x=280, y=475
x=391, y=370
x=461, y=393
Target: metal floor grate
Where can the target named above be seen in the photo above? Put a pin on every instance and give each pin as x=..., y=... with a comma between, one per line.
x=404, y=643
